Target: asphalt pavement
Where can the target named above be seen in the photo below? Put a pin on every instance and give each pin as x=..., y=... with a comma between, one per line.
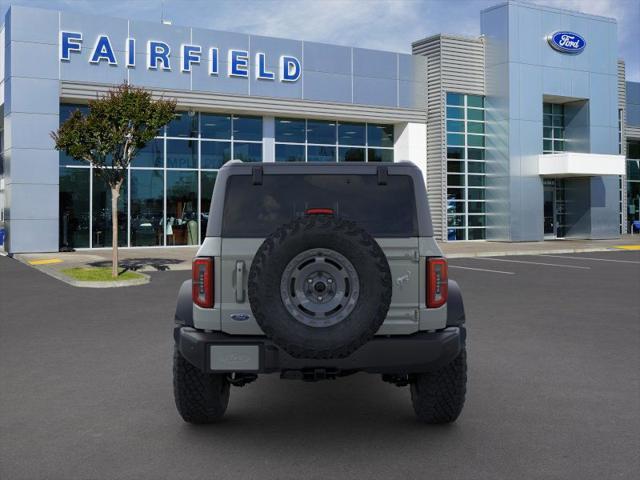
x=554, y=387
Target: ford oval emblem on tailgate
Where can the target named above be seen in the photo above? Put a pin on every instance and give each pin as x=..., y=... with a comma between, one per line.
x=240, y=317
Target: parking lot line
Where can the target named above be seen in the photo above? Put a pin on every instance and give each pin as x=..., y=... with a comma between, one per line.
x=628, y=247
x=532, y=263
x=482, y=270
x=591, y=258
x=46, y=261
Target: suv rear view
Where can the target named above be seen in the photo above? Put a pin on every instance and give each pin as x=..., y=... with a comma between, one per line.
x=318, y=271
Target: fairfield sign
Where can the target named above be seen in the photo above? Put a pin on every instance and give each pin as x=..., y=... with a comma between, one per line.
x=159, y=56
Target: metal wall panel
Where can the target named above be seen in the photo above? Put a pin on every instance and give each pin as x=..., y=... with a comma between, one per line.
x=330, y=73
x=633, y=103
x=30, y=114
x=74, y=91
x=454, y=64
x=521, y=69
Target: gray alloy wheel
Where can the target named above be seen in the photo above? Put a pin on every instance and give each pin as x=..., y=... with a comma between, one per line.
x=320, y=287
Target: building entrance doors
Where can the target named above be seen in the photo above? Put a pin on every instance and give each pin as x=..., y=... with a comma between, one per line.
x=555, y=208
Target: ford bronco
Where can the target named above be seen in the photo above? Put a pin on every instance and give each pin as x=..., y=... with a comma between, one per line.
x=318, y=271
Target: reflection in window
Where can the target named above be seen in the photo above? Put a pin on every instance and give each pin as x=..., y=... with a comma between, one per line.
x=455, y=152
x=553, y=127
x=182, y=154
x=380, y=155
x=380, y=135
x=320, y=131
x=185, y=124
x=455, y=126
x=455, y=139
x=74, y=207
x=67, y=160
x=147, y=192
x=214, y=154
x=351, y=134
x=207, y=182
x=319, y=138
x=475, y=154
x=66, y=109
x=455, y=98
x=151, y=155
x=455, y=167
x=247, y=128
x=350, y=154
x=317, y=153
x=215, y=126
x=290, y=130
x=101, y=216
x=247, y=152
x=465, y=166
x=182, y=208
x=289, y=153
x=477, y=234
x=477, y=115
x=475, y=101
x=476, y=194
x=633, y=184
x=455, y=113
x=178, y=151
x=455, y=193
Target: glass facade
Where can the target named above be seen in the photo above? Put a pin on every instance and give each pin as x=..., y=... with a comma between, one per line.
x=552, y=128
x=633, y=184
x=166, y=197
x=465, y=130
x=300, y=140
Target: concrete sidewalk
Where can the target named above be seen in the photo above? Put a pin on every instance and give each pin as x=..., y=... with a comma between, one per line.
x=498, y=249
x=179, y=258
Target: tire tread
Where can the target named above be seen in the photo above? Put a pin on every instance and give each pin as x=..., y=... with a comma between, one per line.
x=438, y=397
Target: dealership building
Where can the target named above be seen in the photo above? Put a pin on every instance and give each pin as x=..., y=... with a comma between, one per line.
x=525, y=133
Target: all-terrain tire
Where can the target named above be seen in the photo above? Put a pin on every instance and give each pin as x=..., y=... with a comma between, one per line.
x=438, y=397
x=200, y=397
x=303, y=235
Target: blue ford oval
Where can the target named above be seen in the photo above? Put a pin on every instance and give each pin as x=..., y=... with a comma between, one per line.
x=567, y=42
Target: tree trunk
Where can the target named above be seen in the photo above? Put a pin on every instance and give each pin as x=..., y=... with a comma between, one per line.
x=115, y=193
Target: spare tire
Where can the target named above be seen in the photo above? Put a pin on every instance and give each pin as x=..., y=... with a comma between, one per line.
x=320, y=287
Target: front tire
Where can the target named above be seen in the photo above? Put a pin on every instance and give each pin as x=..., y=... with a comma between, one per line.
x=200, y=397
x=438, y=397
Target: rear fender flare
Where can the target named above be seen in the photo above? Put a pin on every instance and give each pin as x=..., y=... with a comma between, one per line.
x=184, y=307
x=455, y=306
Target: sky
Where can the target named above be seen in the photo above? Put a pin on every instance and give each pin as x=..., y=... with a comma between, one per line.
x=378, y=24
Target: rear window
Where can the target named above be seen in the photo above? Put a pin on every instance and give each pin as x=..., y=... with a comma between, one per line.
x=257, y=210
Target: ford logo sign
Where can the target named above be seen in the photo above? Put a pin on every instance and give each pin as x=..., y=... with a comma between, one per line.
x=567, y=42
x=240, y=317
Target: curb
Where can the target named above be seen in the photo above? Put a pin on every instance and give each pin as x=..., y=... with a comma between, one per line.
x=529, y=252
x=86, y=284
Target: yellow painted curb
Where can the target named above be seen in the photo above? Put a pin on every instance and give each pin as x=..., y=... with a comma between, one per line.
x=47, y=261
x=628, y=247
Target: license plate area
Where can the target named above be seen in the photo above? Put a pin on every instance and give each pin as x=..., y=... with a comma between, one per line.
x=234, y=358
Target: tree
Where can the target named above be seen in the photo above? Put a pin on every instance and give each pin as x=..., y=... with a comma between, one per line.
x=117, y=126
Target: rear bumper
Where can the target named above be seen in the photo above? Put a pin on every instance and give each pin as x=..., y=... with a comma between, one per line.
x=420, y=352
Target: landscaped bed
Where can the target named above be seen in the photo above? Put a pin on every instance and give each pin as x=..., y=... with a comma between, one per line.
x=99, y=274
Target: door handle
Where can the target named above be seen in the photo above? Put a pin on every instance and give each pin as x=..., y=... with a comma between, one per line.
x=239, y=281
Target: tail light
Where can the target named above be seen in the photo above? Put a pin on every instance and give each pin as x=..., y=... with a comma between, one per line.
x=437, y=282
x=202, y=282
x=318, y=211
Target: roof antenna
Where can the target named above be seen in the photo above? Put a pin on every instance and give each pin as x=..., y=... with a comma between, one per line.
x=162, y=19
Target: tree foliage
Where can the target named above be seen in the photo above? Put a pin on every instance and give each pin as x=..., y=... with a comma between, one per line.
x=117, y=126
